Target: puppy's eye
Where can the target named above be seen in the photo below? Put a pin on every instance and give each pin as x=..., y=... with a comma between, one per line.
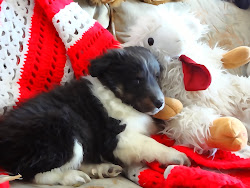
x=157, y=76
x=137, y=81
x=150, y=41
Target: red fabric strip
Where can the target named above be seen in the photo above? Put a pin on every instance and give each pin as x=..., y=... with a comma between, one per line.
x=0, y=6
x=93, y=43
x=221, y=160
x=1, y=3
x=4, y=184
x=52, y=7
x=44, y=65
x=182, y=176
x=151, y=179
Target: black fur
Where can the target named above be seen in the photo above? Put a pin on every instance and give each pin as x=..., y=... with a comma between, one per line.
x=39, y=135
x=243, y=4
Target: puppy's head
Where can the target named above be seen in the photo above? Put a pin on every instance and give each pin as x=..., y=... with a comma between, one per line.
x=132, y=74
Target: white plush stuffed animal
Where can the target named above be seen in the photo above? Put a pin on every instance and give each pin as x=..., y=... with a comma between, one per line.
x=214, y=98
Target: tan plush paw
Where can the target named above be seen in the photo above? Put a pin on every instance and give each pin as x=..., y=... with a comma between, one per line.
x=227, y=133
x=236, y=57
x=172, y=107
x=112, y=3
x=158, y=2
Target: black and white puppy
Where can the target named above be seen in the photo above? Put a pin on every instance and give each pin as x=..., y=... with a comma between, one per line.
x=61, y=137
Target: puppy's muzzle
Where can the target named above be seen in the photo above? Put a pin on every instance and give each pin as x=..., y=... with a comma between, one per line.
x=159, y=104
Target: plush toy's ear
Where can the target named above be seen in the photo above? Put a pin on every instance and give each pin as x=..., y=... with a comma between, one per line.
x=98, y=66
x=195, y=76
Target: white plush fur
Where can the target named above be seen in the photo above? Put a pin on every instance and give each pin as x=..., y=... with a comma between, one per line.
x=228, y=95
x=134, y=144
x=156, y=25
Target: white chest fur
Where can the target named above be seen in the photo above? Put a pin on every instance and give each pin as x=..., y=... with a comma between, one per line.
x=134, y=120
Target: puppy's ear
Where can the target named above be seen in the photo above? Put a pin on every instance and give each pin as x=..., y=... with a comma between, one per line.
x=98, y=66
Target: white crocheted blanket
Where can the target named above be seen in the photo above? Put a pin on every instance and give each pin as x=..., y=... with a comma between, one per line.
x=44, y=43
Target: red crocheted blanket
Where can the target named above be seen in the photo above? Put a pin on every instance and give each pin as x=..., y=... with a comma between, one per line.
x=3, y=184
x=224, y=169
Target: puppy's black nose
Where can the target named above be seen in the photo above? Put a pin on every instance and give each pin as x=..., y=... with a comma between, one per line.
x=158, y=103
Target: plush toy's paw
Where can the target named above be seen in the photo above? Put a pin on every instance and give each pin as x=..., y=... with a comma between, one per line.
x=236, y=57
x=172, y=107
x=157, y=2
x=112, y=3
x=227, y=133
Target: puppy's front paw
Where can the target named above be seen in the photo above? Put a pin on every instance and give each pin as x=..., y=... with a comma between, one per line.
x=106, y=170
x=178, y=158
x=74, y=178
x=171, y=156
x=103, y=170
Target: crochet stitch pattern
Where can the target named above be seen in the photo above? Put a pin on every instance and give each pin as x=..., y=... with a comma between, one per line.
x=224, y=169
x=44, y=43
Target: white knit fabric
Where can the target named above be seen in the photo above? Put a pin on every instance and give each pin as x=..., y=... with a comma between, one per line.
x=68, y=72
x=69, y=31
x=15, y=20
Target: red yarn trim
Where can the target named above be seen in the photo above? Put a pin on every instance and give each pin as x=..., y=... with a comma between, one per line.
x=163, y=139
x=156, y=166
x=1, y=4
x=4, y=184
x=243, y=175
x=93, y=43
x=221, y=160
x=52, y=7
x=151, y=179
x=181, y=176
x=44, y=65
x=0, y=9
